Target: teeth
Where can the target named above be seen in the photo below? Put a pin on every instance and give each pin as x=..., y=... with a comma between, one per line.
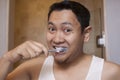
x=58, y=49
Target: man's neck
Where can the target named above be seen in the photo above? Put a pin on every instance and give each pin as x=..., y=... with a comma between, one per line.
x=73, y=62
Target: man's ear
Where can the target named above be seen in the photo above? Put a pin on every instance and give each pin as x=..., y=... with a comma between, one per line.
x=86, y=33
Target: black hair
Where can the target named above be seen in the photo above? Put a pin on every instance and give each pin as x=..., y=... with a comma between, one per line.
x=81, y=12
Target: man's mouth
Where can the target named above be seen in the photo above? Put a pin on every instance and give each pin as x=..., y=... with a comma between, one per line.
x=58, y=49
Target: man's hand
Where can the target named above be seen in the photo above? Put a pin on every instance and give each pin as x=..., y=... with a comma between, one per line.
x=27, y=50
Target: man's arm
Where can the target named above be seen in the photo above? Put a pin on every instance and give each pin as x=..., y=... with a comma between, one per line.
x=20, y=73
x=5, y=67
x=27, y=50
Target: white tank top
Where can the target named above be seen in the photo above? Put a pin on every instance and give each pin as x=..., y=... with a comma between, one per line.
x=94, y=73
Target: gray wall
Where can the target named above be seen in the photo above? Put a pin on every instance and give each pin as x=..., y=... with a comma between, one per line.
x=4, y=13
x=6, y=25
x=112, y=29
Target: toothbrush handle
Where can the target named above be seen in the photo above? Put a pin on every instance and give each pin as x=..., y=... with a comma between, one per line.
x=52, y=50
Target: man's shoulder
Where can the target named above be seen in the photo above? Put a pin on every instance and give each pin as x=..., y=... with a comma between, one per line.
x=111, y=71
x=33, y=63
x=113, y=67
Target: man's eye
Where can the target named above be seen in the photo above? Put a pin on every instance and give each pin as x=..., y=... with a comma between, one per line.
x=67, y=30
x=51, y=29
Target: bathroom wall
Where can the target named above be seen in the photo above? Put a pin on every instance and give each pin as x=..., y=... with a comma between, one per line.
x=30, y=20
x=6, y=25
x=112, y=30
x=4, y=17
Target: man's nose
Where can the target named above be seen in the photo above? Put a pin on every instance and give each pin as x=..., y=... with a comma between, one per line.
x=58, y=38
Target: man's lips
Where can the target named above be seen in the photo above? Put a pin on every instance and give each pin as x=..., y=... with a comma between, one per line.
x=59, y=53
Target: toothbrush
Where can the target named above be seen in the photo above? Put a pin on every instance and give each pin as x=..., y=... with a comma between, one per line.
x=60, y=49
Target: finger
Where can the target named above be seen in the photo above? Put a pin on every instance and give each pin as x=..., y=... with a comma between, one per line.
x=24, y=54
x=31, y=52
x=44, y=49
x=36, y=49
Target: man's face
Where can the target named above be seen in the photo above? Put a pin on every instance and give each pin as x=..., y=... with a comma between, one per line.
x=64, y=30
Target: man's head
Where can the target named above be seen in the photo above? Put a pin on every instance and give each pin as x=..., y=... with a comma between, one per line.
x=67, y=28
x=82, y=13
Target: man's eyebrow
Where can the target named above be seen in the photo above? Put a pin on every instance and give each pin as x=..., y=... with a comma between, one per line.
x=66, y=23
x=50, y=23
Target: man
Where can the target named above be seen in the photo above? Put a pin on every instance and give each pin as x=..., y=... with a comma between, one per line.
x=68, y=27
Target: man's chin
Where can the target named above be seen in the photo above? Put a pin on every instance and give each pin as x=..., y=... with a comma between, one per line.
x=59, y=59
